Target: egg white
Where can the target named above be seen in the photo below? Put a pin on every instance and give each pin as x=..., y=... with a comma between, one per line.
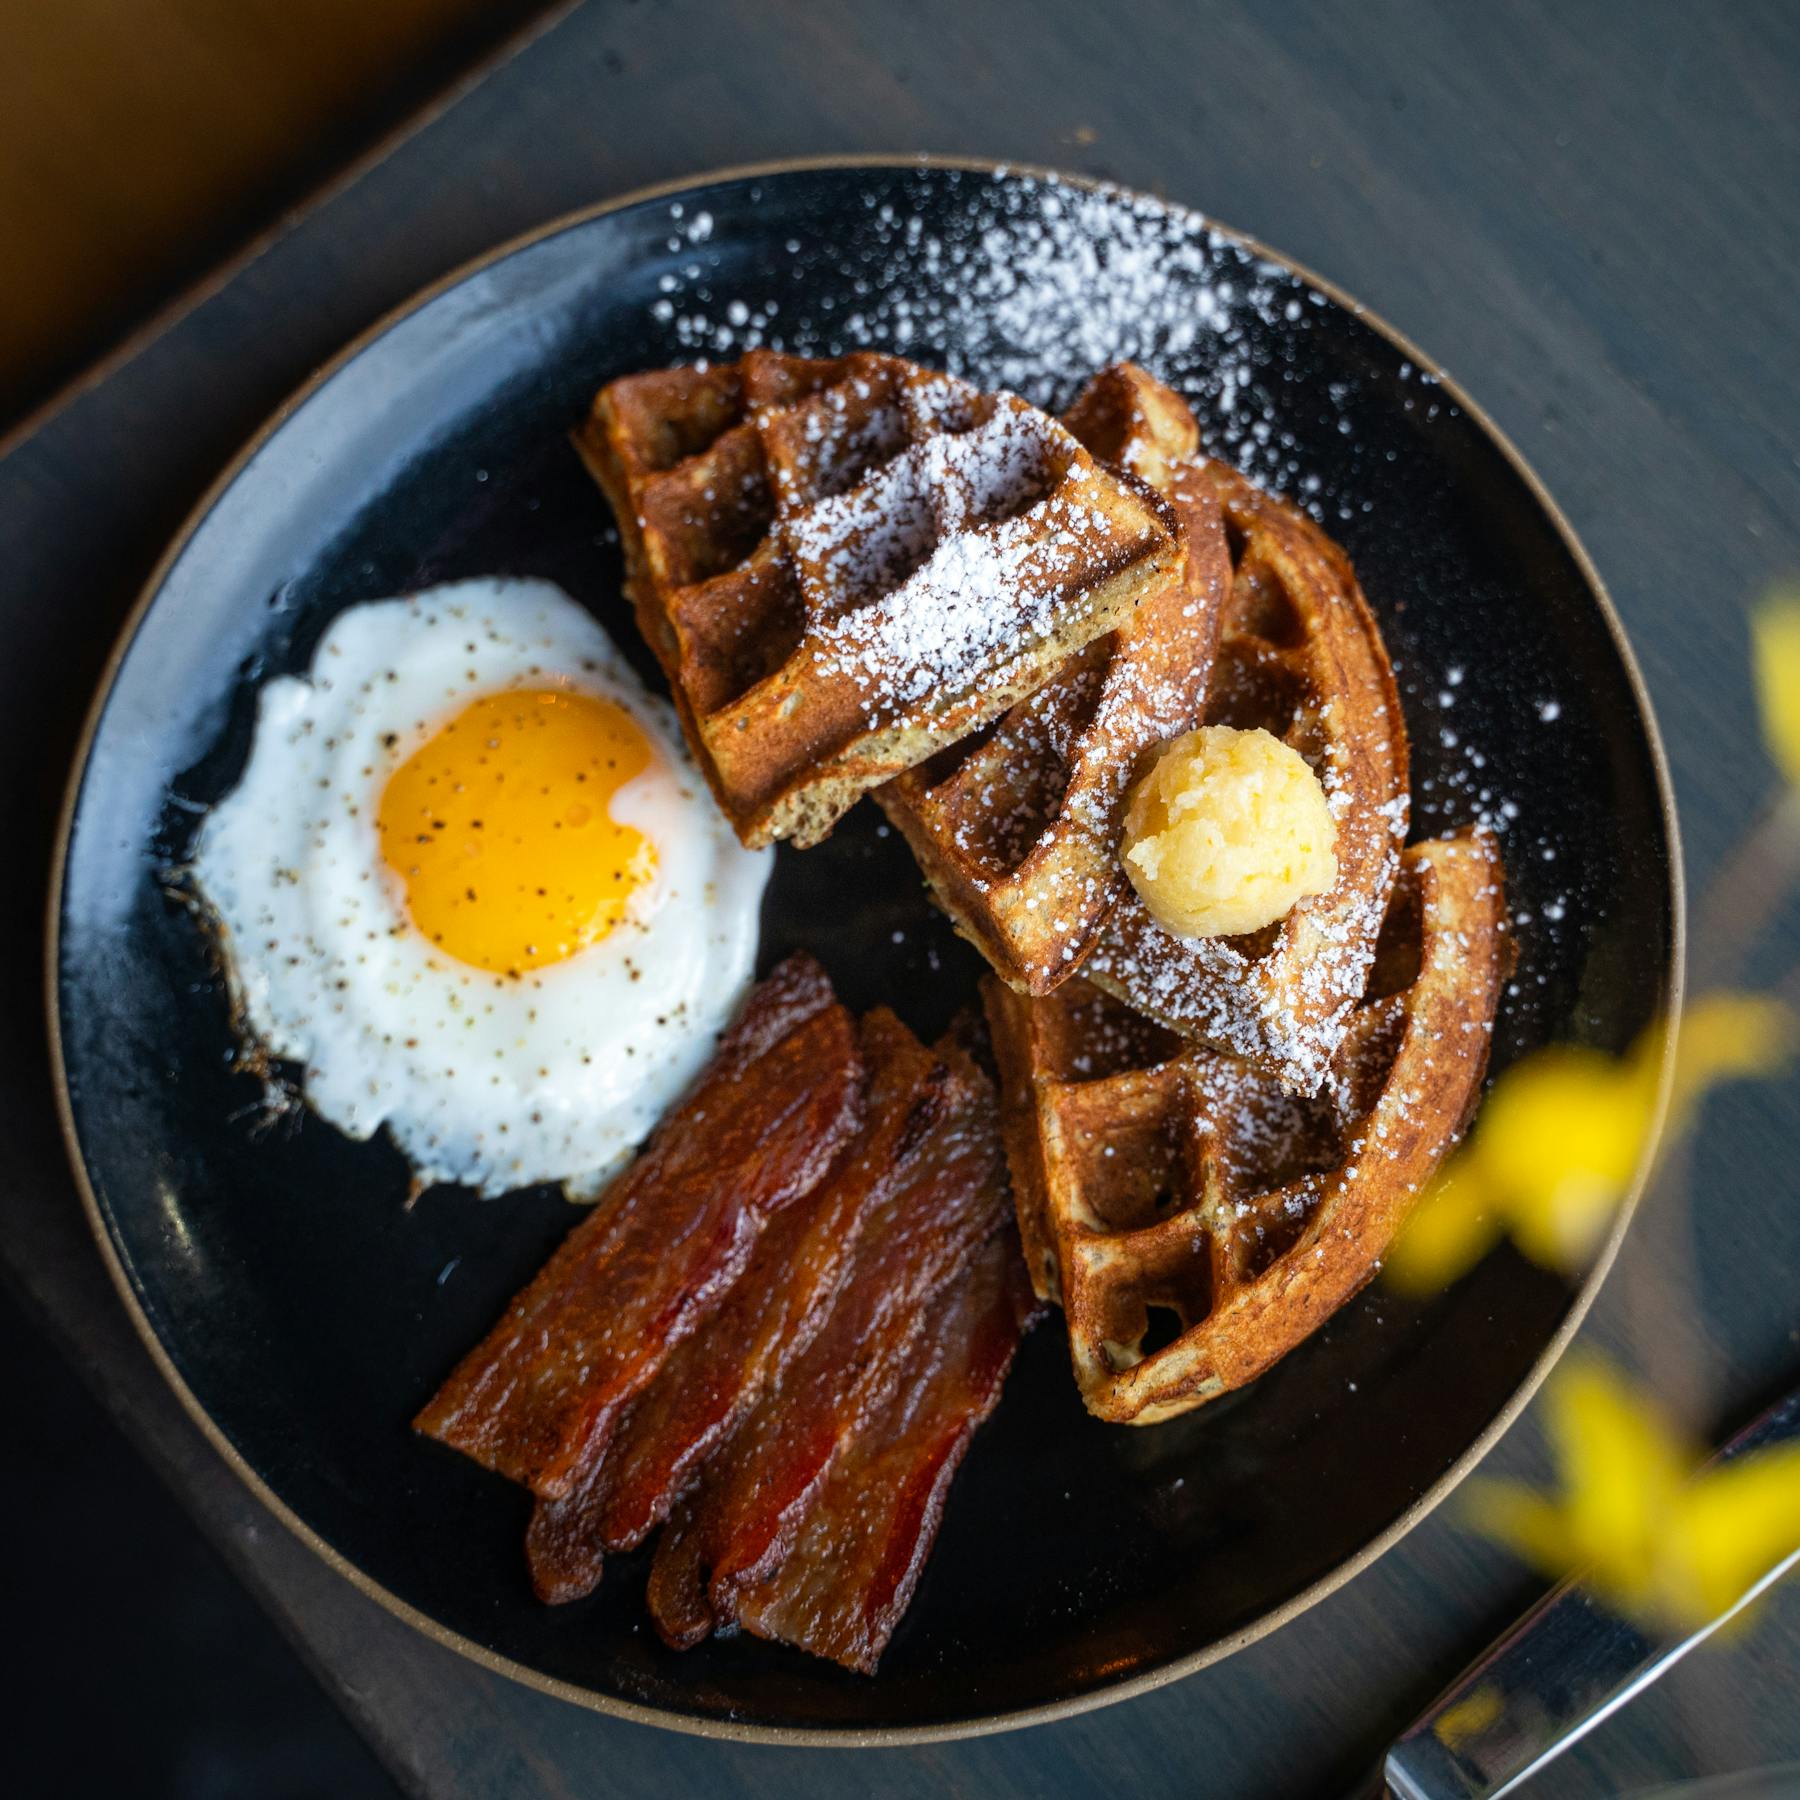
x=487, y=1080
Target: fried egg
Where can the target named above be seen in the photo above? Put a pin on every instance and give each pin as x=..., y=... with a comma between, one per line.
x=471, y=883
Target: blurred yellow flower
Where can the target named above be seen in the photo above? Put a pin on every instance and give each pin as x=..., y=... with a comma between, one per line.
x=1451, y=1227
x=1726, y=1037
x=1775, y=640
x=1662, y=1540
x=1561, y=1136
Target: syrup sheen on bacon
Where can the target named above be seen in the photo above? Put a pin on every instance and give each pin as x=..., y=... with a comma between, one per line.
x=663, y=1247
x=858, y=1555
x=770, y=1316
x=950, y=1197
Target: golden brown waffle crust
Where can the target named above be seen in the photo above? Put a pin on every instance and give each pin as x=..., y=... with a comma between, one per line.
x=1283, y=999
x=1402, y=1088
x=845, y=566
x=1018, y=833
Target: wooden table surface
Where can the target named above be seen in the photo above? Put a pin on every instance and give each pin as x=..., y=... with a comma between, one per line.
x=130, y=159
x=1590, y=213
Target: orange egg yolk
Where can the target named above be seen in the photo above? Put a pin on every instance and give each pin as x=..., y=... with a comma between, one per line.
x=500, y=830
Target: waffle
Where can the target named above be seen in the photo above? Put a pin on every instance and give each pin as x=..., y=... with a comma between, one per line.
x=1017, y=830
x=845, y=566
x=1196, y=1219
x=1301, y=656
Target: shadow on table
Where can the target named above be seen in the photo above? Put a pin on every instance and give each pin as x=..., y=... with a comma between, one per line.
x=140, y=1666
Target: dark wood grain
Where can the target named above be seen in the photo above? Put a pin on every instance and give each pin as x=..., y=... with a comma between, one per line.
x=1590, y=214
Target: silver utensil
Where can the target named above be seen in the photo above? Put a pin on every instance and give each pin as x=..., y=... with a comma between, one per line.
x=1568, y=1664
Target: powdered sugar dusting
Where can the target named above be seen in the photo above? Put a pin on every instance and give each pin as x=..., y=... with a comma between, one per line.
x=1033, y=283
x=1040, y=283
x=940, y=628
x=952, y=560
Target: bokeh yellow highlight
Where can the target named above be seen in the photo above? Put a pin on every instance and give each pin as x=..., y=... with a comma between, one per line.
x=1561, y=1137
x=1775, y=641
x=1666, y=1542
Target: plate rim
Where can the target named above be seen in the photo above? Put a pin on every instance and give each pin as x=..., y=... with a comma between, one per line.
x=980, y=1725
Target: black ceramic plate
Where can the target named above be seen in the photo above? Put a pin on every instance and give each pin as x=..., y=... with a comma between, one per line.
x=304, y=1312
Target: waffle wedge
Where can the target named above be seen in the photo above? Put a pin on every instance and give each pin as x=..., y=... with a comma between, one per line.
x=1168, y=1185
x=846, y=565
x=1301, y=656
x=1017, y=829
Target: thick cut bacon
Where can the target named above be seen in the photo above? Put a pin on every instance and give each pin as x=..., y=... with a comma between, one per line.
x=858, y=1556
x=777, y=1307
x=950, y=1196
x=662, y=1249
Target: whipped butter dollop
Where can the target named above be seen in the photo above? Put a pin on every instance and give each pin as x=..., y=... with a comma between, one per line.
x=1225, y=831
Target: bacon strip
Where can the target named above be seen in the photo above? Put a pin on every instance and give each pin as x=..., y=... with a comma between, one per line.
x=950, y=1195
x=770, y=1316
x=542, y=1394
x=857, y=1558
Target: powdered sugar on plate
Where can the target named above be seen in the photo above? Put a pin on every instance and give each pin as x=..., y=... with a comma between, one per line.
x=1040, y=283
x=1032, y=283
